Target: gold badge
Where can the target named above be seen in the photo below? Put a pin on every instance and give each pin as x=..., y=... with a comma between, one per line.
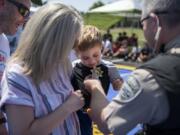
x=96, y=72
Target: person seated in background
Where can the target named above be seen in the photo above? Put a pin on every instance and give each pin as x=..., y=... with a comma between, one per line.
x=90, y=65
x=107, y=46
x=119, y=38
x=109, y=35
x=124, y=36
x=134, y=53
x=144, y=55
x=133, y=40
x=122, y=51
x=115, y=46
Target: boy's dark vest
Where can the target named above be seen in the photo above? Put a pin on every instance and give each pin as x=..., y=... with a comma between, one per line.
x=80, y=72
x=166, y=70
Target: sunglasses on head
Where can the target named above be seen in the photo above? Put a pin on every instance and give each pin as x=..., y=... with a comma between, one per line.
x=22, y=9
x=157, y=13
x=142, y=20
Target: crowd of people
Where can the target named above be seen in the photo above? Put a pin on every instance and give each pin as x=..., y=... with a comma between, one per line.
x=125, y=47
x=43, y=93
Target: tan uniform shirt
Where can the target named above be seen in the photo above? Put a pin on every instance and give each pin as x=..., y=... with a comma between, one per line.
x=140, y=100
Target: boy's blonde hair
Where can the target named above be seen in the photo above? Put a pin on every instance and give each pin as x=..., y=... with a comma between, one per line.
x=90, y=37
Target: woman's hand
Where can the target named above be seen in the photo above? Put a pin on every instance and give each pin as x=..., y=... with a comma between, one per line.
x=75, y=101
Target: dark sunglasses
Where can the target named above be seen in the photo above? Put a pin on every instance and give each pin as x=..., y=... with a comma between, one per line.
x=157, y=13
x=22, y=9
x=142, y=20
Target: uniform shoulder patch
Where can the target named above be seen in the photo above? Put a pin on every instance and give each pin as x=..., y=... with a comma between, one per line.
x=130, y=89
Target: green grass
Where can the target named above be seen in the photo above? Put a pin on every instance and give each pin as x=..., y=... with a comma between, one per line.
x=129, y=31
x=105, y=21
x=102, y=21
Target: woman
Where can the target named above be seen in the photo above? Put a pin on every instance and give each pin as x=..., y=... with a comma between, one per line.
x=37, y=95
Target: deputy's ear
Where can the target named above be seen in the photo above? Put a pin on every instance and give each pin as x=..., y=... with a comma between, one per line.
x=155, y=21
x=156, y=25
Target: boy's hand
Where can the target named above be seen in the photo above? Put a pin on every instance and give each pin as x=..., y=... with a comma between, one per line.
x=117, y=84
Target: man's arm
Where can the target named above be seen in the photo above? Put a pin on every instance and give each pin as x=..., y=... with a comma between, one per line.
x=98, y=103
x=138, y=101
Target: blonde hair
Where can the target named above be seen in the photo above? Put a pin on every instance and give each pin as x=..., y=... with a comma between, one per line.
x=90, y=37
x=47, y=40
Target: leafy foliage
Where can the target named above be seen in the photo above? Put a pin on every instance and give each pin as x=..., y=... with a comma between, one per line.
x=96, y=4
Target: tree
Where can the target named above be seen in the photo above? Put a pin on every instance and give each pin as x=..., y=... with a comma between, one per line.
x=96, y=4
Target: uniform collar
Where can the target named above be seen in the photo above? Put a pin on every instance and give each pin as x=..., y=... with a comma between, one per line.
x=175, y=43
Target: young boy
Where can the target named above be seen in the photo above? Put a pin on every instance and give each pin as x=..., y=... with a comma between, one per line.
x=90, y=65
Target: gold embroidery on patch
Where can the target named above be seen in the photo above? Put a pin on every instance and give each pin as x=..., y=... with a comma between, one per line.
x=97, y=71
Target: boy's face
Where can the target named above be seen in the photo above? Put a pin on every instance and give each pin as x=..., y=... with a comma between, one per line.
x=91, y=57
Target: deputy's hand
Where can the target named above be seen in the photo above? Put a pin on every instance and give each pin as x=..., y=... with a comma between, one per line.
x=93, y=85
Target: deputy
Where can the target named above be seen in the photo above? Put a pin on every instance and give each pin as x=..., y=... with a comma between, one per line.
x=151, y=95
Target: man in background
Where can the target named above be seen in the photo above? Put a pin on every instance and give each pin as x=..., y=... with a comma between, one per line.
x=13, y=13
